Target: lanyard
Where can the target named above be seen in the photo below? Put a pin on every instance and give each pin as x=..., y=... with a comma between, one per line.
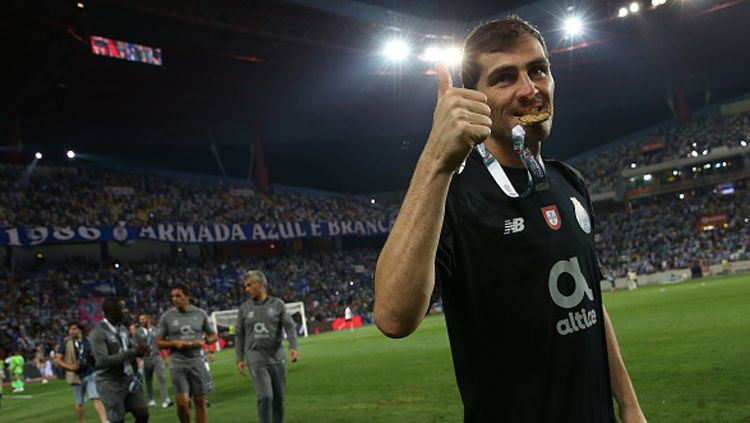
x=120, y=335
x=123, y=337
x=537, y=175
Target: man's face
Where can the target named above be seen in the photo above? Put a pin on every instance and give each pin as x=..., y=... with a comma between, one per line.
x=116, y=314
x=517, y=82
x=253, y=287
x=144, y=320
x=74, y=331
x=179, y=299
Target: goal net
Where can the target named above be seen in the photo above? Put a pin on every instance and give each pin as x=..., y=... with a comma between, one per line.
x=222, y=320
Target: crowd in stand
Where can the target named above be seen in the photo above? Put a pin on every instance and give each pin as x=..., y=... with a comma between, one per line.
x=670, y=142
x=73, y=196
x=664, y=232
x=36, y=306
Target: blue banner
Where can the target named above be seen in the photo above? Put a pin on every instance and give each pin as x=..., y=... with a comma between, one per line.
x=193, y=234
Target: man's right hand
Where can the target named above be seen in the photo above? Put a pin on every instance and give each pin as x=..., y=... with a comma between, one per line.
x=181, y=343
x=461, y=120
x=73, y=367
x=241, y=367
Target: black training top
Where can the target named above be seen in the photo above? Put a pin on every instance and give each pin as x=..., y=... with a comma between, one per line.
x=520, y=285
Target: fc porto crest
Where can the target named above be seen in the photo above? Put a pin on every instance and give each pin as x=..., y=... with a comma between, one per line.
x=584, y=221
x=552, y=217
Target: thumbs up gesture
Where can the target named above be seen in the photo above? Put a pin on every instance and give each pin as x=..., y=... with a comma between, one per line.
x=461, y=120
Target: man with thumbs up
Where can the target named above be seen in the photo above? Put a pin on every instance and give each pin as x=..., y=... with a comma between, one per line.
x=508, y=238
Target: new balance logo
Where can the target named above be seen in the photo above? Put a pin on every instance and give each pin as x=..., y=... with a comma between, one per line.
x=513, y=225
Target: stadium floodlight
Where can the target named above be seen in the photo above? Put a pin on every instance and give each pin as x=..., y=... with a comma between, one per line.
x=80, y=5
x=71, y=154
x=705, y=152
x=431, y=54
x=647, y=177
x=634, y=7
x=694, y=153
x=682, y=196
x=743, y=143
x=573, y=26
x=675, y=172
x=372, y=201
x=657, y=3
x=633, y=165
x=452, y=56
x=38, y=155
x=622, y=12
x=396, y=50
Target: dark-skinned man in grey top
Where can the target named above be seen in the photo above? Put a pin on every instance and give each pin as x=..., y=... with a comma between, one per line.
x=116, y=380
x=258, y=346
x=181, y=330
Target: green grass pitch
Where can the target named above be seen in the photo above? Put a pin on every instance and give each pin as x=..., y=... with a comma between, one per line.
x=687, y=347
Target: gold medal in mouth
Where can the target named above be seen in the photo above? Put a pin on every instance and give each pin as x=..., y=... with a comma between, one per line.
x=533, y=118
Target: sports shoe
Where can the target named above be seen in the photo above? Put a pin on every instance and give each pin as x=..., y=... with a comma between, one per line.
x=167, y=403
x=152, y=403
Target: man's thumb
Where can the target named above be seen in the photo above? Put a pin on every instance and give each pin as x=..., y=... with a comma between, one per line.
x=445, y=80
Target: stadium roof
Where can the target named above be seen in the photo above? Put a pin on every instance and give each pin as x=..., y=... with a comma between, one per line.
x=307, y=78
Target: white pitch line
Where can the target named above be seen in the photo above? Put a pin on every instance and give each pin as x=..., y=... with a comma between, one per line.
x=13, y=396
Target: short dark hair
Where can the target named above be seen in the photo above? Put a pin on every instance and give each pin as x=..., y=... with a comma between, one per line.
x=182, y=287
x=491, y=37
x=73, y=323
x=111, y=302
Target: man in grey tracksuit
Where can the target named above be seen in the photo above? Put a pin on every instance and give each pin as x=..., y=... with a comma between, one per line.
x=258, y=345
x=185, y=329
x=116, y=381
x=153, y=364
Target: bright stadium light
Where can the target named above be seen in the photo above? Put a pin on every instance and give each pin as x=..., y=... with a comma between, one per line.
x=682, y=196
x=694, y=153
x=657, y=3
x=573, y=26
x=622, y=12
x=705, y=152
x=449, y=55
x=634, y=7
x=431, y=54
x=452, y=56
x=38, y=155
x=743, y=143
x=647, y=177
x=396, y=50
x=633, y=165
x=71, y=154
x=372, y=201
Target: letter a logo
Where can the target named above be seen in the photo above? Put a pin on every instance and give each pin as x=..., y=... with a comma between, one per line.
x=573, y=268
